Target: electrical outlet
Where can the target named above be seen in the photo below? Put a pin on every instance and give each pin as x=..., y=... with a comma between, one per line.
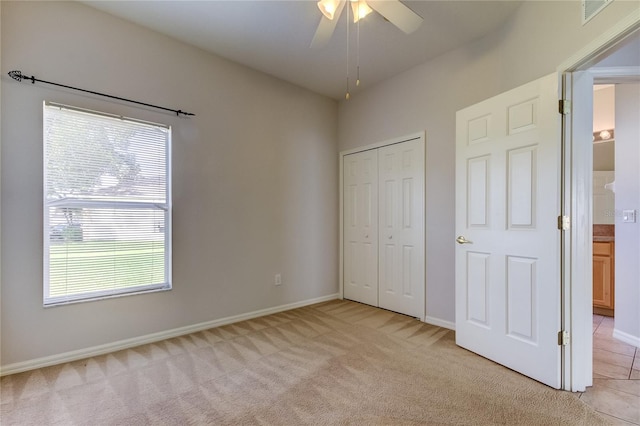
x=277, y=279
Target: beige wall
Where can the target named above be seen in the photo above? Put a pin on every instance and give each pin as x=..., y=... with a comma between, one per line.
x=604, y=118
x=604, y=107
x=0, y=186
x=604, y=156
x=535, y=41
x=254, y=178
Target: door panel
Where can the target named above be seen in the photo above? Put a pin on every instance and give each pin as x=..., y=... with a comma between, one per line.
x=478, y=192
x=361, y=227
x=507, y=202
x=402, y=228
x=521, y=298
x=521, y=198
x=477, y=291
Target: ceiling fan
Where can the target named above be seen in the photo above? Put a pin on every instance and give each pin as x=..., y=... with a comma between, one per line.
x=392, y=10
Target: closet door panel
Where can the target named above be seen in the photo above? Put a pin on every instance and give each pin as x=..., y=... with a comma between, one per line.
x=360, y=191
x=401, y=235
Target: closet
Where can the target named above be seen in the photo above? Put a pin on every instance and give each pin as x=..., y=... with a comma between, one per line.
x=383, y=226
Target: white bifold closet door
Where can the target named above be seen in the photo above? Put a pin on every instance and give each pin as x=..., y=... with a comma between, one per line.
x=361, y=227
x=384, y=227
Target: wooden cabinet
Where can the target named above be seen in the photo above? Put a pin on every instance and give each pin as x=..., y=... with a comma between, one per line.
x=603, y=277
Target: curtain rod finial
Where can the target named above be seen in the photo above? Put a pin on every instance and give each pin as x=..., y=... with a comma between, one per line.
x=16, y=75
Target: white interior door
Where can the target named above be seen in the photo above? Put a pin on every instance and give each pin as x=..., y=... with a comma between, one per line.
x=508, y=288
x=401, y=219
x=360, y=219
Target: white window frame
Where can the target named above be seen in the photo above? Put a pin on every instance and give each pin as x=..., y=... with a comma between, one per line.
x=88, y=203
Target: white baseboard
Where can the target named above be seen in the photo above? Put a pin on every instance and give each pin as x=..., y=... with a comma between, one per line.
x=33, y=364
x=440, y=323
x=627, y=338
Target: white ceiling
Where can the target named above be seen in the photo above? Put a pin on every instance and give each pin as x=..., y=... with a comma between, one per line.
x=274, y=36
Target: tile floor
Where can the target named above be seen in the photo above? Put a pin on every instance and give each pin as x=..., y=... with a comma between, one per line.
x=616, y=376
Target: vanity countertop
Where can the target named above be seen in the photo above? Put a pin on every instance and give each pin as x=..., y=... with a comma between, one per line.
x=604, y=233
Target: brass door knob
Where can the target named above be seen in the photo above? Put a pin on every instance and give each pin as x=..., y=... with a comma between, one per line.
x=463, y=240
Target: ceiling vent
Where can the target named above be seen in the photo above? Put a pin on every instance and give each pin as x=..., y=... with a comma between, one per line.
x=591, y=8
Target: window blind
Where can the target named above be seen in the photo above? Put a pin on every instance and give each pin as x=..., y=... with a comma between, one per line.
x=107, y=210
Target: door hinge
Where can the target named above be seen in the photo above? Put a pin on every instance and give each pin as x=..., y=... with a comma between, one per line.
x=563, y=338
x=564, y=106
x=564, y=223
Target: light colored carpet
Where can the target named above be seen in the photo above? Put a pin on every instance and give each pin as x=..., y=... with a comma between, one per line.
x=332, y=363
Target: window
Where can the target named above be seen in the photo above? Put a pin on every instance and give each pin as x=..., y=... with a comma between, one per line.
x=107, y=205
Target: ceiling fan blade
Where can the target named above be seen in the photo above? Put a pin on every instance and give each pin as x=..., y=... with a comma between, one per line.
x=326, y=28
x=323, y=33
x=397, y=13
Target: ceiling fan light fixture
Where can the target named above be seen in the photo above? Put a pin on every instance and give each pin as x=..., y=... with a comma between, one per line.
x=328, y=7
x=360, y=9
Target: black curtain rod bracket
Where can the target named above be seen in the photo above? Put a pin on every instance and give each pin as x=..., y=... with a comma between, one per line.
x=18, y=76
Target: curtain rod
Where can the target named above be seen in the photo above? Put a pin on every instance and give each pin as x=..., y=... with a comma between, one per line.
x=18, y=76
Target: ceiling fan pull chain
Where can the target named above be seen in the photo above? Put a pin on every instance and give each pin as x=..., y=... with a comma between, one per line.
x=358, y=48
x=347, y=95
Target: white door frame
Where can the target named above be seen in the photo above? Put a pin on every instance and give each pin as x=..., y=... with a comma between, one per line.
x=576, y=203
x=420, y=136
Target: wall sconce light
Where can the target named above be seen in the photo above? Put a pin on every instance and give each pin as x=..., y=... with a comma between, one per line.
x=606, y=135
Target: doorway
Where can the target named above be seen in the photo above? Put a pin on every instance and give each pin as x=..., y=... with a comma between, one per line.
x=598, y=62
x=615, y=103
